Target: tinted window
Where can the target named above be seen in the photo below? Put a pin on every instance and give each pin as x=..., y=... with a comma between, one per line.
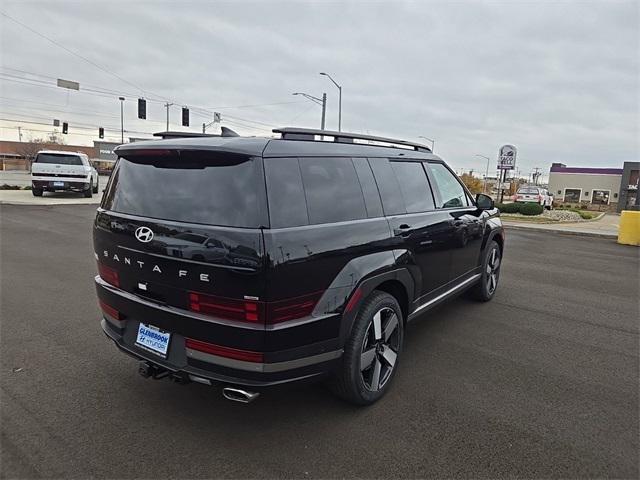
x=287, y=205
x=388, y=186
x=369, y=188
x=414, y=186
x=58, y=158
x=451, y=192
x=208, y=191
x=332, y=190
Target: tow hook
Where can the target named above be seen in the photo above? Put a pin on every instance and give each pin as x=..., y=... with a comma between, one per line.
x=149, y=370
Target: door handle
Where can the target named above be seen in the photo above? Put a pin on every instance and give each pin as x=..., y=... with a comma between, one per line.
x=402, y=230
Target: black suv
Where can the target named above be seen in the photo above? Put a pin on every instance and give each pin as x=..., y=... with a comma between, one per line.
x=255, y=262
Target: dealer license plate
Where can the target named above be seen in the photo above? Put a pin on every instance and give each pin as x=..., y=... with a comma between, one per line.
x=58, y=184
x=153, y=339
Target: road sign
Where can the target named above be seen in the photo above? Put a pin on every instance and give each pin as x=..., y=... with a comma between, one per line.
x=68, y=84
x=507, y=157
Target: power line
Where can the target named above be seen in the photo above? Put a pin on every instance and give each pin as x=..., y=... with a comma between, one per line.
x=72, y=52
x=104, y=91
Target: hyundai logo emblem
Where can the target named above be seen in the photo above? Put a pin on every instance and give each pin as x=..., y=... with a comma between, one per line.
x=144, y=234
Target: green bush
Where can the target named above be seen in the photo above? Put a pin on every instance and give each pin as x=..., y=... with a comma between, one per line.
x=510, y=207
x=531, y=209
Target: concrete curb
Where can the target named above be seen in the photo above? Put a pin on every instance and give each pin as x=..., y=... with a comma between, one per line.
x=510, y=226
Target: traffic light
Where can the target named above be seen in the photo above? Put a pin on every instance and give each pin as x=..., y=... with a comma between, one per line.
x=65, y=127
x=101, y=132
x=142, y=108
x=185, y=117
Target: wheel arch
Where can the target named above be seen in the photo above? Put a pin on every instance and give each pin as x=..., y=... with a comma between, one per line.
x=396, y=289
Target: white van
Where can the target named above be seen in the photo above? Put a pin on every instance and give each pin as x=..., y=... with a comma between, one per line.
x=54, y=171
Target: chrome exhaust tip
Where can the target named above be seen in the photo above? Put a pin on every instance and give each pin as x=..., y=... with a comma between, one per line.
x=237, y=395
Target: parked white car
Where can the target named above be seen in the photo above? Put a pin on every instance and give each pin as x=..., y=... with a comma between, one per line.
x=534, y=194
x=54, y=171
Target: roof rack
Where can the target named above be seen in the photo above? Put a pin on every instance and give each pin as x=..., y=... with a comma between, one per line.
x=310, y=134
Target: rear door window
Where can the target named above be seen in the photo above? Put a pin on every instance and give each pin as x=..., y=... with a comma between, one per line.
x=59, y=159
x=414, y=186
x=211, y=189
x=452, y=194
x=332, y=190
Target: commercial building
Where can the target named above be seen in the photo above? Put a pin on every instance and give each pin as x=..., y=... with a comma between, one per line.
x=16, y=155
x=599, y=188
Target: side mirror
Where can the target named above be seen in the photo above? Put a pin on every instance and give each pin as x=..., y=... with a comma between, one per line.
x=484, y=202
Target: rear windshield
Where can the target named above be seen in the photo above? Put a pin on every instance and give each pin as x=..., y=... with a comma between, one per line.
x=210, y=190
x=528, y=191
x=58, y=158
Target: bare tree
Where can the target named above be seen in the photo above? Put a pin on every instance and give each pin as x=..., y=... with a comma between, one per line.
x=29, y=149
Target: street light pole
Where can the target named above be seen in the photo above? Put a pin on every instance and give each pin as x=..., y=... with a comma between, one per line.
x=433, y=142
x=339, y=100
x=322, y=102
x=121, y=119
x=487, y=173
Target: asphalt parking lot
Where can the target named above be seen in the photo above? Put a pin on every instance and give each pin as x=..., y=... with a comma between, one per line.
x=540, y=382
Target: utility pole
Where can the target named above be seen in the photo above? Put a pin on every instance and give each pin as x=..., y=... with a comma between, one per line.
x=20, y=134
x=320, y=101
x=121, y=119
x=536, y=175
x=324, y=110
x=433, y=142
x=167, y=105
x=486, y=173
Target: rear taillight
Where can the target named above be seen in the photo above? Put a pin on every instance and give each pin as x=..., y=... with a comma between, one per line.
x=254, y=311
x=109, y=275
x=109, y=310
x=243, y=310
x=292, y=308
x=539, y=198
x=228, y=352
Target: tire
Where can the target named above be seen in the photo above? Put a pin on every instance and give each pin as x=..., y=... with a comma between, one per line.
x=37, y=192
x=88, y=193
x=486, y=288
x=97, y=187
x=376, y=337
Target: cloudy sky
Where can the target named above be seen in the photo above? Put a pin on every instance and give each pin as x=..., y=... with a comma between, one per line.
x=560, y=80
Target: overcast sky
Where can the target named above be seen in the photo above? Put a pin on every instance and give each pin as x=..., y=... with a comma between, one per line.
x=560, y=80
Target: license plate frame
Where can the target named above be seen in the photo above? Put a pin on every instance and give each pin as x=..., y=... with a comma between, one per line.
x=58, y=184
x=153, y=339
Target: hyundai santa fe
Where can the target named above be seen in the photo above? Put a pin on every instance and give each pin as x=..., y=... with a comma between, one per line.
x=256, y=262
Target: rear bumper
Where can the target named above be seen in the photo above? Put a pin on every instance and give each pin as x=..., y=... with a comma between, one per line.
x=75, y=184
x=308, y=354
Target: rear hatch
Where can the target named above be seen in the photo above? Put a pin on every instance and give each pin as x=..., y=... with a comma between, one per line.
x=528, y=194
x=59, y=165
x=182, y=228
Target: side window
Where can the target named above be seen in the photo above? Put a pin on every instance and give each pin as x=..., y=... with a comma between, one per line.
x=369, y=188
x=332, y=190
x=451, y=192
x=287, y=205
x=388, y=186
x=414, y=186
